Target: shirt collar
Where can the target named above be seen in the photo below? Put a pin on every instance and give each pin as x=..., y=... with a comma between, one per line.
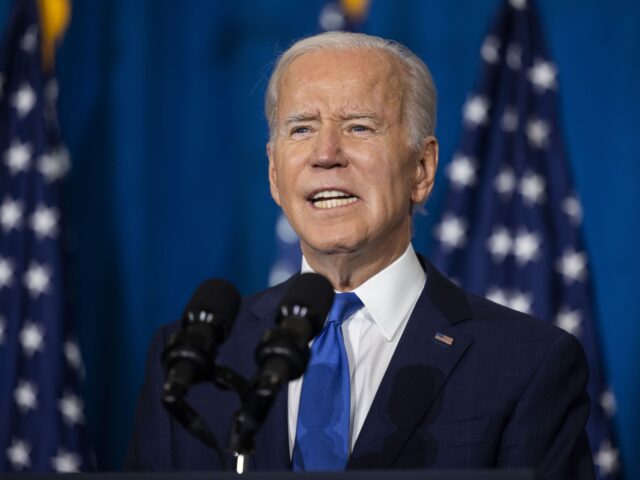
x=390, y=295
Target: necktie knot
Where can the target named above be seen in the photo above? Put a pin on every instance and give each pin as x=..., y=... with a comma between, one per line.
x=344, y=305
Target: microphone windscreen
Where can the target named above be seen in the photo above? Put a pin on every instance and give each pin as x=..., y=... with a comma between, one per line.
x=218, y=297
x=313, y=291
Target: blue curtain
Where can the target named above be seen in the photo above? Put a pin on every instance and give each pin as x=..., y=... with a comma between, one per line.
x=161, y=107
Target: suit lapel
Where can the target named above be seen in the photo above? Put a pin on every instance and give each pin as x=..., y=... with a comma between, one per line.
x=417, y=372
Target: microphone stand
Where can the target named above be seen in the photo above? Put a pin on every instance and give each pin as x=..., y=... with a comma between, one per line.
x=257, y=397
x=173, y=398
x=256, y=403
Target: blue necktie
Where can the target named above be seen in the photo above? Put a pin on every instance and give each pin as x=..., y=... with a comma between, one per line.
x=322, y=432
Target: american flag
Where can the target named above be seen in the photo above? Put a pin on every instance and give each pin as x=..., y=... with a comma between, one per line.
x=510, y=229
x=41, y=413
x=343, y=15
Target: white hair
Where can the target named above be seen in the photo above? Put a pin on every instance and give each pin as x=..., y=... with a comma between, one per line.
x=420, y=105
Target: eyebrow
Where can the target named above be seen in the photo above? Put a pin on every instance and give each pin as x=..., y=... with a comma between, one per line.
x=306, y=117
x=359, y=115
x=300, y=117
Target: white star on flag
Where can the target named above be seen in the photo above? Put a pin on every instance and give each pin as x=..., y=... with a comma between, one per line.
x=606, y=459
x=571, y=206
x=462, y=171
x=24, y=100
x=497, y=295
x=543, y=75
x=71, y=407
x=72, y=354
x=26, y=396
x=514, y=56
x=51, y=90
x=279, y=273
x=532, y=188
x=18, y=157
x=505, y=182
x=572, y=266
x=476, y=110
x=29, y=40
x=515, y=300
x=608, y=403
x=331, y=17
x=55, y=164
x=518, y=4
x=451, y=232
x=10, y=214
x=526, y=246
x=521, y=302
x=509, y=120
x=538, y=133
x=18, y=454
x=44, y=222
x=37, y=279
x=490, y=50
x=31, y=338
x=6, y=272
x=66, y=462
x=499, y=243
x=569, y=320
x=3, y=327
x=285, y=232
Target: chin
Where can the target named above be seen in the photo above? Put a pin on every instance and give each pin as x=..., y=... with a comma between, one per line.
x=332, y=246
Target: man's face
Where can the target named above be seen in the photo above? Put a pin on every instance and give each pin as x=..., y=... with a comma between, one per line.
x=340, y=163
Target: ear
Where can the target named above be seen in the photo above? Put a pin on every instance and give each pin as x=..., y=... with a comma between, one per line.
x=273, y=176
x=427, y=164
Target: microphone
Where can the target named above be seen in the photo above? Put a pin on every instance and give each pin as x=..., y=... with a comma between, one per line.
x=283, y=353
x=189, y=355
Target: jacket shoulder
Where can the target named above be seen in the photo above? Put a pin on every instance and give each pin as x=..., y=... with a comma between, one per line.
x=493, y=319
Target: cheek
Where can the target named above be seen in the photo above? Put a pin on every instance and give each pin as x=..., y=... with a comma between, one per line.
x=289, y=168
x=284, y=176
x=396, y=185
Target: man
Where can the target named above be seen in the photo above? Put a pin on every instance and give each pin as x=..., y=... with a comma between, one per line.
x=436, y=377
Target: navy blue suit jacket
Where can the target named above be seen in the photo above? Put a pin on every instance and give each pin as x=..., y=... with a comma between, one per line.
x=509, y=392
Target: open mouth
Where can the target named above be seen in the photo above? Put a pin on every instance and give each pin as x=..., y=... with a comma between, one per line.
x=332, y=199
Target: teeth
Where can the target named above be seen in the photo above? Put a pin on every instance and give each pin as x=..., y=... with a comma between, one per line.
x=335, y=202
x=330, y=194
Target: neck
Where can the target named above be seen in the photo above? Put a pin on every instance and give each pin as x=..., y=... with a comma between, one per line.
x=348, y=270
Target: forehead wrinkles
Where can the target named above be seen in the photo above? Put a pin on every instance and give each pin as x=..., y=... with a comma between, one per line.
x=371, y=79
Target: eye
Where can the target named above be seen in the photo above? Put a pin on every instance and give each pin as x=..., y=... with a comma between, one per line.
x=359, y=128
x=300, y=130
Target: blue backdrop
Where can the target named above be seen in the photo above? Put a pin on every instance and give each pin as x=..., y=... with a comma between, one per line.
x=161, y=107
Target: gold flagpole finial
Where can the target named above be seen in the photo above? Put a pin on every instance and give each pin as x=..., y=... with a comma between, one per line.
x=355, y=10
x=54, y=19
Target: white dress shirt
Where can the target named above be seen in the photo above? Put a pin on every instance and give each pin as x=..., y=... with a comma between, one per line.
x=371, y=335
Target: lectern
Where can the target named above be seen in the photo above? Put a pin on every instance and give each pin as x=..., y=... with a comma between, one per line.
x=354, y=475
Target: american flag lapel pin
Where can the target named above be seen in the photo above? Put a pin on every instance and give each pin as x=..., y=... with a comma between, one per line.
x=443, y=339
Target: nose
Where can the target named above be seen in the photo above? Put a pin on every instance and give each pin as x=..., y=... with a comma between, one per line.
x=328, y=148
